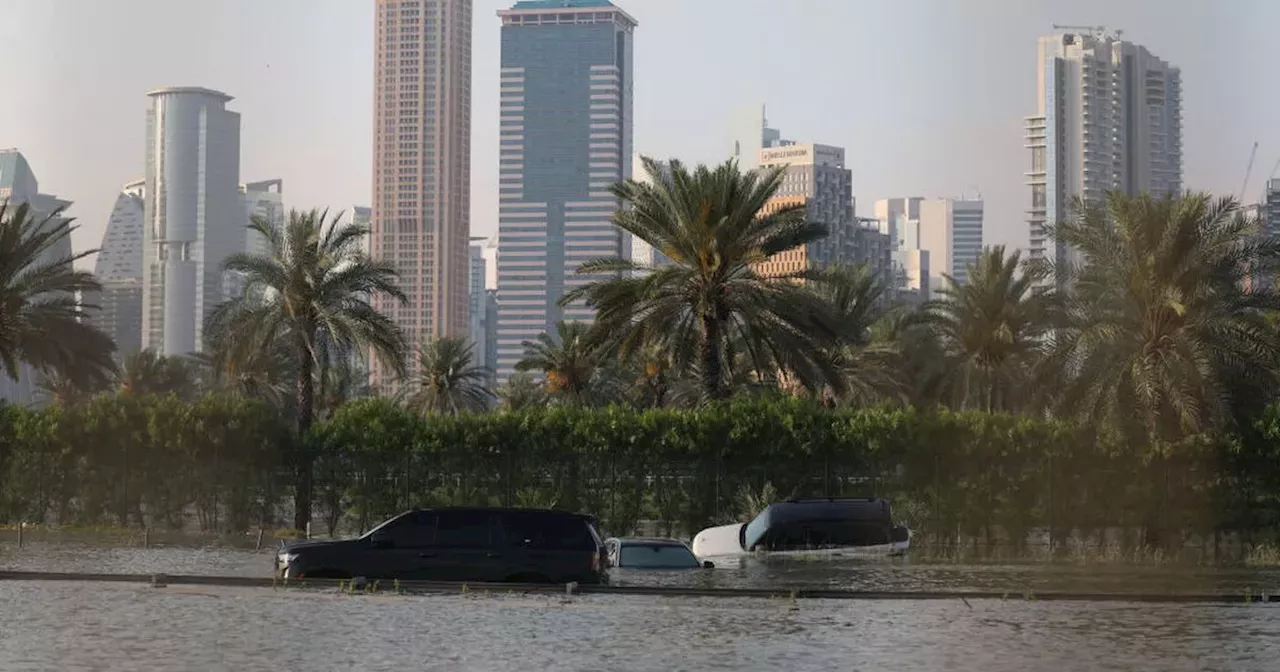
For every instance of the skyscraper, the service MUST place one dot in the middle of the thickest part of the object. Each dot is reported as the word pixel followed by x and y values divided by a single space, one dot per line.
pixel 478 324
pixel 421 220
pixel 641 251
pixel 1270 210
pixel 119 269
pixel 565 137
pixel 949 230
pixel 1109 118
pixel 815 176
pixel 266 200
pixel 749 133
pixel 18 186
pixel 193 216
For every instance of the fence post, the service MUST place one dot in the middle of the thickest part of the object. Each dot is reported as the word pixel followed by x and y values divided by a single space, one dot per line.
pixel 146 537
pixel 308 532
pixel 21 525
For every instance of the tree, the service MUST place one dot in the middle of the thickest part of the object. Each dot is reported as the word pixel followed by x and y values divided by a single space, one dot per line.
pixel 1167 334
pixel 855 302
pixel 448 381
pixel 716 226
pixel 42 323
pixel 147 372
pixel 65 391
pixel 994 330
pixel 310 290
pixel 569 361
pixel 521 392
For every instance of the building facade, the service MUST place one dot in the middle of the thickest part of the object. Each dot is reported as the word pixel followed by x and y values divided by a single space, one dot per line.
pixel 119 269
pixel 947 230
pixel 478 323
pixel 815 176
pixel 193 216
pixel 421 219
pixel 641 251
pixel 1109 117
pixel 265 200
pixel 18 186
pixel 1270 211
pixel 565 136
pixel 749 133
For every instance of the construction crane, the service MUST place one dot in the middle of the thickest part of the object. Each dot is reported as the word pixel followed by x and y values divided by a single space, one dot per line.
pixel 1253 154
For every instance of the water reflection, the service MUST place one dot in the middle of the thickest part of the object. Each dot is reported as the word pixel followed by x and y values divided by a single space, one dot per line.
pixel 69 626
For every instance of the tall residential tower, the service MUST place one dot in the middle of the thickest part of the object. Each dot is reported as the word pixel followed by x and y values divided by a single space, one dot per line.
pixel 1109 117
pixel 421 219
pixel 193 218
pixel 565 137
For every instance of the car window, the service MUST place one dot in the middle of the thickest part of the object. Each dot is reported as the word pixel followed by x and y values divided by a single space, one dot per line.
pixel 549 532
pixel 464 529
pixel 413 530
pixel 650 556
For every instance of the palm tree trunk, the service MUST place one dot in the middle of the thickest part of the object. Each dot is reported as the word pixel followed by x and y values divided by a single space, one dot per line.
pixel 712 359
pixel 306 409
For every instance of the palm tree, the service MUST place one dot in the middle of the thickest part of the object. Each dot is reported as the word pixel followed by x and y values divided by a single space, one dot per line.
pixel 146 372
pixel 66 391
pixel 994 330
pixel 42 324
pixel 569 361
pixel 310 289
pixel 716 226
pixel 448 381
pixel 1166 334
pixel 521 392
pixel 265 374
pixel 855 299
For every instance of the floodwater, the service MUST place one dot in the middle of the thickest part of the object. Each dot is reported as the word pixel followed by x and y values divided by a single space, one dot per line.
pixel 96 626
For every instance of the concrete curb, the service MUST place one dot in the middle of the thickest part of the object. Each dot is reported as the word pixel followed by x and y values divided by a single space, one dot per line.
pixel 446 587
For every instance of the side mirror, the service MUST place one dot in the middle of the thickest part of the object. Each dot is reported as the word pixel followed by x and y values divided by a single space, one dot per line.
pixel 707 564
pixel 380 539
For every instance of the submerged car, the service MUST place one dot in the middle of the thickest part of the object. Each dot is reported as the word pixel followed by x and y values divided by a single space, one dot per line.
pixel 853 526
pixel 652 554
pixel 459 544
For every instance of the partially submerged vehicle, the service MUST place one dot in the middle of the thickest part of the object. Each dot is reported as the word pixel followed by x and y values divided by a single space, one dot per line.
pixel 834 526
pixel 651 554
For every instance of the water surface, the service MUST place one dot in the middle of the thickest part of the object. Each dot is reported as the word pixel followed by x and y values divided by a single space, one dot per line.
pixel 74 626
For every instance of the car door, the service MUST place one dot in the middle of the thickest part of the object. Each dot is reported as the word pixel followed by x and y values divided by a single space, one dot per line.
pixel 401 549
pixel 468 547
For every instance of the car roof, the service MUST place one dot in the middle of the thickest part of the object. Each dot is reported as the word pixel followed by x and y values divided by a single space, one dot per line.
pixel 644 541
pixel 500 509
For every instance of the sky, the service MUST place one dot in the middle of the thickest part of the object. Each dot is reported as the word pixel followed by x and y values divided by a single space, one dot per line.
pixel 926 96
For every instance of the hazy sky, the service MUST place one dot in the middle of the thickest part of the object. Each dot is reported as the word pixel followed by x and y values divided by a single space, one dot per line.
pixel 927 97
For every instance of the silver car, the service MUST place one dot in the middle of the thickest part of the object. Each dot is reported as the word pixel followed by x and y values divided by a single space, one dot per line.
pixel 663 554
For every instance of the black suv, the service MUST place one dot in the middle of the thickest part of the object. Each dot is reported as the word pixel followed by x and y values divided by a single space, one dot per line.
pixel 459 544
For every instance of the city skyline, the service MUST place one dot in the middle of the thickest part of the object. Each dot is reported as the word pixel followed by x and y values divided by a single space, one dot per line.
pixel 308 122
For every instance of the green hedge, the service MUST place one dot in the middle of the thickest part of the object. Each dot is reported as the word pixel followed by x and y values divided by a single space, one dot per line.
pixel 950 474
pixel 136 461
pixel 133 461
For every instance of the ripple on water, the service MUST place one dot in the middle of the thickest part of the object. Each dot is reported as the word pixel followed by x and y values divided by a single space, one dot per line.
pixel 74 626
